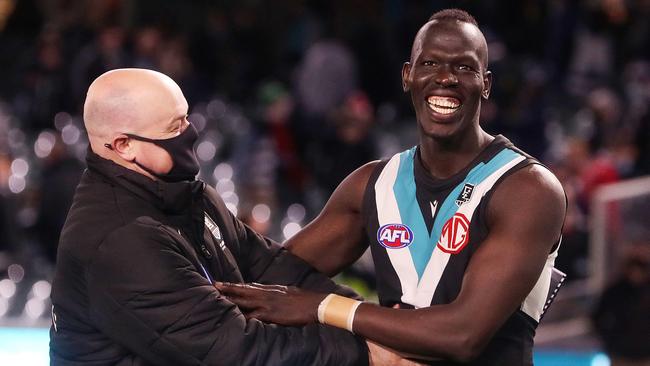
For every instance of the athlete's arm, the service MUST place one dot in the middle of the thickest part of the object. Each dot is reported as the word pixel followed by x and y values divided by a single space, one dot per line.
pixel 524 216
pixel 334 240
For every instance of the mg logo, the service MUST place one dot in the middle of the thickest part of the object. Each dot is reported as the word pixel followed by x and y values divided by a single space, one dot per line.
pixel 455 234
pixel 394 236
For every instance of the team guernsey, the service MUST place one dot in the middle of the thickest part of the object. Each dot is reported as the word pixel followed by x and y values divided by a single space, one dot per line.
pixel 423 232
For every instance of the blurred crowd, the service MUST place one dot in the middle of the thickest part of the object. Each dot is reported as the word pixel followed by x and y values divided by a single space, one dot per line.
pixel 291 96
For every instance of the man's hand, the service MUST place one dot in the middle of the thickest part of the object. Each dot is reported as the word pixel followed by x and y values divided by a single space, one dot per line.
pixel 274 303
pixel 380 356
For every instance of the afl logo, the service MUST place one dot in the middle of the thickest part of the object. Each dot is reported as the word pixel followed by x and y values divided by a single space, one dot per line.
pixel 394 236
pixel 455 234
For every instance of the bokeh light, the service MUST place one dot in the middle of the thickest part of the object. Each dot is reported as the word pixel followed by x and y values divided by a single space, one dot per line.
pixel 290 230
pixel 261 213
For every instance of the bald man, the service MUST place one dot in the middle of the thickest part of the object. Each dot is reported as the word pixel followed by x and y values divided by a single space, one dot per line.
pixel 144 241
pixel 463 228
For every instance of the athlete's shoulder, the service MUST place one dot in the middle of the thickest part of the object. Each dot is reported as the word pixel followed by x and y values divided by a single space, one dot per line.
pixel 353 188
pixel 360 177
pixel 350 192
pixel 535 177
pixel 532 175
pixel 533 189
pixel 375 168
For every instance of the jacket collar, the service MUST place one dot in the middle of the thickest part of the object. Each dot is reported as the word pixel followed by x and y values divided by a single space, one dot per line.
pixel 173 198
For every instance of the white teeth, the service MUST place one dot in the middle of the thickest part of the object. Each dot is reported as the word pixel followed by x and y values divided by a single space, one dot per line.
pixel 443 105
pixel 442 110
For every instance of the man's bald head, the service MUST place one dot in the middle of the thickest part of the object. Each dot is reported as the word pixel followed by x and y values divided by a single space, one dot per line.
pixel 135 101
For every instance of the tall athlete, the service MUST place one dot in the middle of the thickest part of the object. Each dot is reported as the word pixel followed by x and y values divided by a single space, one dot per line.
pixel 463 228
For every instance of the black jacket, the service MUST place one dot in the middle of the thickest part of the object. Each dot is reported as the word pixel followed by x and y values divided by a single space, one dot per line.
pixel 133 281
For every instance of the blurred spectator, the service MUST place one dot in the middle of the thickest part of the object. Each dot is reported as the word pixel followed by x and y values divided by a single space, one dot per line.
pixel 277 109
pixel 62 173
pixel 44 87
pixel 601 121
pixel 331 158
pixel 643 145
pixel 621 316
pixel 590 170
pixel 332 120
pixel 106 53
pixel 147 45
pixel 7 208
pixel 325 78
pixel 572 258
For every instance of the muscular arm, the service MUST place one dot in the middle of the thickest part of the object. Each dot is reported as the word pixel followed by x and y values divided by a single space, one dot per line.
pixel 525 217
pixel 338 230
pixel 262 260
pixel 265 261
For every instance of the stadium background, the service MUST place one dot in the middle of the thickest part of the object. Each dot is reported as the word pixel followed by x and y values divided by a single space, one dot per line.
pixel 290 96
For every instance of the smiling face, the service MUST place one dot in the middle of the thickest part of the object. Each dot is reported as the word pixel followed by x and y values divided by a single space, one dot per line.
pixel 447 77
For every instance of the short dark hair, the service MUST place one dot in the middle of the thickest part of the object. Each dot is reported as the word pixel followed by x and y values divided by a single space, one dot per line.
pixel 454 14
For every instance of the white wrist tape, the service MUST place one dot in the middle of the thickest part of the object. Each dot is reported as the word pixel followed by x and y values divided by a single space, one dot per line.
pixel 338 311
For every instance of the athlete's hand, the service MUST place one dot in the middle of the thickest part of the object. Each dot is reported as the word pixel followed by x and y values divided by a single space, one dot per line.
pixel 274 303
pixel 382 356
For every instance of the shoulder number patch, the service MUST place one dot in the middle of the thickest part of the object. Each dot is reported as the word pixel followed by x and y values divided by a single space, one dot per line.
pixel 394 236
pixel 455 234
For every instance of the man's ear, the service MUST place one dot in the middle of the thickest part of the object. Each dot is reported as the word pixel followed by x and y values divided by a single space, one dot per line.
pixel 406 78
pixel 487 84
pixel 123 146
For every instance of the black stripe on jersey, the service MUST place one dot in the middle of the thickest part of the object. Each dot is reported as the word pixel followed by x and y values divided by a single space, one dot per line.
pixel 389 289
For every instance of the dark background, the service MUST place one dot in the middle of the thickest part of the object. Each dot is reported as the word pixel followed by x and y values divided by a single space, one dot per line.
pixel 291 96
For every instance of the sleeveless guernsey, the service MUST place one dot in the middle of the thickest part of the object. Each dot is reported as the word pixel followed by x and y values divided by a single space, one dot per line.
pixel 423 231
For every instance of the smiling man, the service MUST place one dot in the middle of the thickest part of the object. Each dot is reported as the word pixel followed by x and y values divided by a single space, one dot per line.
pixel 464 227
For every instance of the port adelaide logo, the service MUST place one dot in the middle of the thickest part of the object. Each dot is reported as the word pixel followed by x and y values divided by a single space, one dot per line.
pixel 394 236
pixel 465 194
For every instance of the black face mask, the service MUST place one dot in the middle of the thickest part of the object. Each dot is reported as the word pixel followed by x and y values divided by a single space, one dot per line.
pixel 181 149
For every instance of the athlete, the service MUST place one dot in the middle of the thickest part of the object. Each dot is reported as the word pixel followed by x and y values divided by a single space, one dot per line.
pixel 464 228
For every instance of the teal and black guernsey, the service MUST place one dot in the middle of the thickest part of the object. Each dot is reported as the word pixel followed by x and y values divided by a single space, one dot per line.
pixel 423 232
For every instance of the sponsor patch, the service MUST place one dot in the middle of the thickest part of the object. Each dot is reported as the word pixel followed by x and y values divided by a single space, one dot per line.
pixel 455 234
pixel 394 236
pixel 465 194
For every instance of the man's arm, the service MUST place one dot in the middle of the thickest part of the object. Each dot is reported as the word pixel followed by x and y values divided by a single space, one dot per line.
pixel 146 295
pixel 334 240
pixel 267 262
pixel 525 217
